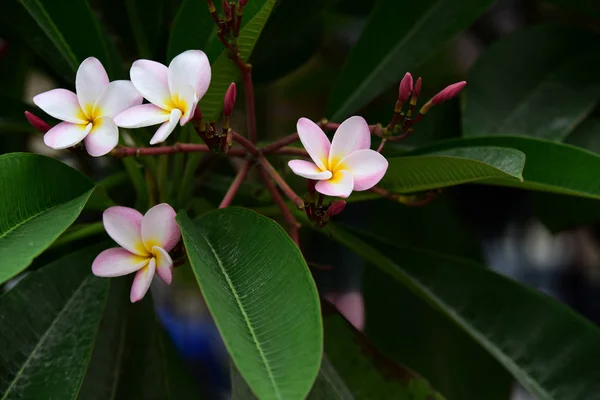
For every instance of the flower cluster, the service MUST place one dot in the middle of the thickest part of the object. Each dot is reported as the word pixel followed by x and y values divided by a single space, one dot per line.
pixel 99 107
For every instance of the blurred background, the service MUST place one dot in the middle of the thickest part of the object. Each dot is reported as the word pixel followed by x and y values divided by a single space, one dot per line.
pixel 546 241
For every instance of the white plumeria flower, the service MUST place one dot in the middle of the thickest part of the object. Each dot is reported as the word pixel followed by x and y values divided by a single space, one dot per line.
pixel 173 92
pixel 145 242
pixel 345 164
pixel 89 114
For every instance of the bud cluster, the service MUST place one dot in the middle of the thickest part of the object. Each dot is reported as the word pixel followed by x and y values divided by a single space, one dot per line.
pixel 316 211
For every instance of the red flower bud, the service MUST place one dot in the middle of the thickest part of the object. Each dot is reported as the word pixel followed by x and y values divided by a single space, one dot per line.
pixel 229 101
pixel 243 3
pixel 336 207
pixel 448 93
pixel 37 122
pixel 417 89
pixel 406 87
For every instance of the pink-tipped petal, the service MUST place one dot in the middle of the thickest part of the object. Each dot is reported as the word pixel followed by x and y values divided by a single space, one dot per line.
pixel 142 281
pixel 140 116
pixel 189 99
pixel 151 79
pixel 90 80
pixel 314 141
pixel 367 168
pixel 190 68
pixel 61 104
pixel 117 97
pixel 117 262
pixel 124 226
pixel 164 264
pixel 353 134
pixel 166 128
pixel 308 170
pixel 159 228
pixel 66 134
pixel 103 137
pixel 340 185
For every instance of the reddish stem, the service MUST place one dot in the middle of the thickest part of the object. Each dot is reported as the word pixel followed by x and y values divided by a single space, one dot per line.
pixel 291 151
pixel 271 148
pixel 246 71
pixel 245 143
pixel 176 148
pixel 235 185
pixel 285 188
pixel 287 214
pixel 381 145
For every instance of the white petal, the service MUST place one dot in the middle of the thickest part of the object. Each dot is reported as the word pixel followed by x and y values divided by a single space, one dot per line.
pixel 188 100
pixel 340 185
pixel 353 134
pixel 117 97
pixel 66 134
pixel 164 264
pixel 165 129
pixel 90 80
pixel 150 78
pixel 308 170
pixel 117 262
pixel 61 104
pixel 366 166
pixel 142 281
pixel 140 116
pixel 190 68
pixel 314 141
pixel 159 228
pixel 124 226
pixel 103 137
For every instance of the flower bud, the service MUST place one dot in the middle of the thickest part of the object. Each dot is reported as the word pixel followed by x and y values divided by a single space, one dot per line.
pixel 37 122
pixel 336 208
pixel 406 87
pixel 229 101
pixel 243 3
pixel 417 89
pixel 448 93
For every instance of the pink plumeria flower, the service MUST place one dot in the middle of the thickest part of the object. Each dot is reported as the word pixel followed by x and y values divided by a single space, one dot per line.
pixel 345 164
pixel 173 92
pixel 145 242
pixel 88 115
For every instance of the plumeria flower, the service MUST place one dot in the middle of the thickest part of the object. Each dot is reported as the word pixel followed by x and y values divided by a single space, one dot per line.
pixel 88 115
pixel 145 242
pixel 173 92
pixel 345 164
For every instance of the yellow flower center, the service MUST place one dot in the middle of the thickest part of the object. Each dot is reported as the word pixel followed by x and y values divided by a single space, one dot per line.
pixel 176 102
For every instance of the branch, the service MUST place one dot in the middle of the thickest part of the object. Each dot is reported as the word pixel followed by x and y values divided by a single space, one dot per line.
pixel 176 148
pixel 291 151
pixel 245 143
pixel 235 185
pixel 246 71
pixel 287 214
pixel 271 148
pixel 285 188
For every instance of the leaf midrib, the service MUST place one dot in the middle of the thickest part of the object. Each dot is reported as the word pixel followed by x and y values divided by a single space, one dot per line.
pixel 43 338
pixel 244 314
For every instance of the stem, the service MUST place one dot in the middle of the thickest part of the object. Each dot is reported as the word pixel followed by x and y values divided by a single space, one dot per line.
pixel 381 145
pixel 280 143
pixel 291 151
pixel 287 215
pixel 235 185
pixel 245 143
pixel 246 71
pixel 176 148
pixel 285 188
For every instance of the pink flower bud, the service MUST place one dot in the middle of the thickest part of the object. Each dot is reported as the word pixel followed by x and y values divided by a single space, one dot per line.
pixel 243 3
pixel 406 87
pixel 336 207
pixel 417 89
pixel 448 93
pixel 37 122
pixel 229 100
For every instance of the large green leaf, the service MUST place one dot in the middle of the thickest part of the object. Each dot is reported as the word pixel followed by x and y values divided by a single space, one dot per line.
pixel 453 167
pixel 40 198
pixel 225 71
pixel 551 167
pixel 398 37
pixel 530 334
pixel 262 297
pixel 71 32
pixel 133 358
pixel 49 323
pixel 540 81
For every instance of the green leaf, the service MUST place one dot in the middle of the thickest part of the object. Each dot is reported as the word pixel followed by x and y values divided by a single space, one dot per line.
pixel 49 325
pixel 192 28
pixel 476 299
pixel 133 358
pixel 225 71
pixel 41 197
pixel 551 167
pixel 367 372
pixel 67 30
pixel 398 37
pixel 262 296
pixel 540 81
pixel 453 167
